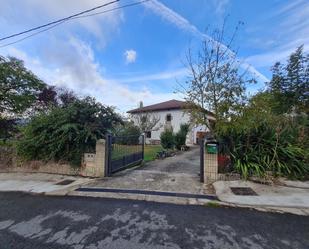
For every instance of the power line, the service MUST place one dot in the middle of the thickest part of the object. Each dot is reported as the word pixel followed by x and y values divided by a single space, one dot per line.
pixel 58 21
pixel 116 8
pixel 36 33
pixel 77 17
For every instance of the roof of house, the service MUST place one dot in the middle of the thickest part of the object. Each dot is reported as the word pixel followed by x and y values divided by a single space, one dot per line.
pixel 167 105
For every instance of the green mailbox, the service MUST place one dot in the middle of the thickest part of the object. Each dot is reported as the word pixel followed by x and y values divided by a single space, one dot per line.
pixel 211 148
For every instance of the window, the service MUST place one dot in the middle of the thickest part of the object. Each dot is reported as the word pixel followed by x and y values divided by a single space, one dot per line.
pixel 148 134
pixel 168 118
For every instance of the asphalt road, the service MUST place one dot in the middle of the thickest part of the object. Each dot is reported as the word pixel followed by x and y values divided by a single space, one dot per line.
pixel 75 222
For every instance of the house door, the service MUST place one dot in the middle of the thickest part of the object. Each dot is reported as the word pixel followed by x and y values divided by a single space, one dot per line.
pixel 199 136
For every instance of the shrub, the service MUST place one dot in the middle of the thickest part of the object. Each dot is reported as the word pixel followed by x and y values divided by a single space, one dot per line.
pixel 269 145
pixel 167 139
pixel 65 133
pixel 128 134
pixel 181 135
pixel 8 128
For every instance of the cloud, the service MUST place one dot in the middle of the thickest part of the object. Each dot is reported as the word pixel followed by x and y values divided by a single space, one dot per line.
pixel 155 76
pixel 172 17
pixel 37 12
pixel 74 66
pixel 180 22
pixel 289 6
pixel 268 59
pixel 220 6
pixel 61 58
pixel 291 31
pixel 130 56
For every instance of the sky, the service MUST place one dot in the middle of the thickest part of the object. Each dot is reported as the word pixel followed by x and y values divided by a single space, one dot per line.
pixel 138 53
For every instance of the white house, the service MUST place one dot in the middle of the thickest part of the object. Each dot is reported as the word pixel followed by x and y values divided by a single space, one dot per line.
pixel 171 114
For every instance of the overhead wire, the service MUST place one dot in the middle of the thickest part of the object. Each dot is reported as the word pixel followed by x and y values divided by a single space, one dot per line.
pixel 68 19
pixel 57 21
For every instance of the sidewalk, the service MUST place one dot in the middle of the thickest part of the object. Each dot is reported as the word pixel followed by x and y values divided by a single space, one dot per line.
pixel 49 184
pixel 150 185
pixel 277 197
pixel 166 188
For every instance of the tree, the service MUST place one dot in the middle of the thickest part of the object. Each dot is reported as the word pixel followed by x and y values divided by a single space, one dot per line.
pixel 128 133
pixel 215 81
pixel 19 87
pixel 47 99
pixel 65 132
pixel 167 139
pixel 260 141
pixel 147 122
pixel 7 128
pixel 290 84
pixel 181 136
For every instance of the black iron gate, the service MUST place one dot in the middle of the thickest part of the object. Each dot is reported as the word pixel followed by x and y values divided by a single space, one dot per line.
pixel 123 152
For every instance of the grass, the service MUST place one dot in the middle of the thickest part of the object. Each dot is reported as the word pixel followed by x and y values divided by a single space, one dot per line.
pixel 120 150
pixel 212 204
pixel 151 152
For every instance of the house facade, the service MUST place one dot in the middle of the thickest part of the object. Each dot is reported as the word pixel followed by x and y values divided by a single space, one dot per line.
pixel 170 115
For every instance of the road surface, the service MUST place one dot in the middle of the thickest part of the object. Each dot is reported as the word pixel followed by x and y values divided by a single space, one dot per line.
pixel 37 222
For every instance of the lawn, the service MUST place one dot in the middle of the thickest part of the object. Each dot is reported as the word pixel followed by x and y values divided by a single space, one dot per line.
pixel 151 152
pixel 121 150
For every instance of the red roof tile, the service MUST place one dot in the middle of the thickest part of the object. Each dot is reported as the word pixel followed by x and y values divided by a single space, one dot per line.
pixel 167 105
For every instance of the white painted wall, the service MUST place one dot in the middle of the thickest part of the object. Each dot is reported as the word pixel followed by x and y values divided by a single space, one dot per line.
pixel 178 117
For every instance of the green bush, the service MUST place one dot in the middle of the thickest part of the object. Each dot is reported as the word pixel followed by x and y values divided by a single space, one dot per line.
pixel 269 145
pixel 167 139
pixel 128 134
pixel 181 135
pixel 65 133
pixel 270 131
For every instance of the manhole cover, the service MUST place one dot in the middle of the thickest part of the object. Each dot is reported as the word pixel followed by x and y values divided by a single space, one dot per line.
pixel 65 182
pixel 243 191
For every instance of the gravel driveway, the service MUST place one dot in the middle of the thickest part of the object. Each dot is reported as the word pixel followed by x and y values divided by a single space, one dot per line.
pixel 185 162
pixel 174 174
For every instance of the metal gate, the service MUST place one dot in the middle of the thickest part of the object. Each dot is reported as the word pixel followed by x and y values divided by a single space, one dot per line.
pixel 123 152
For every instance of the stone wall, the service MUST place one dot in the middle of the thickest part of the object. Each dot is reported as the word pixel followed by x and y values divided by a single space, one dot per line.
pixel 41 167
pixel 93 165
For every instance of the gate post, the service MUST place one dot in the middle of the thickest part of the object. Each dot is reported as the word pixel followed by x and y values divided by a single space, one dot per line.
pixel 100 157
pixel 202 151
pixel 107 163
pixel 143 144
pixel 211 163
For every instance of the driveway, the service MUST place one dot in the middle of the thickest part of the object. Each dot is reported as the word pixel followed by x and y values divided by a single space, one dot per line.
pixel 173 174
pixel 35 222
pixel 186 162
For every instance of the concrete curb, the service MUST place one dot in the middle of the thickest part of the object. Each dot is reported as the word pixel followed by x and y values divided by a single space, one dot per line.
pixel 188 201
pixel 273 209
pixel 145 197
pixel 263 206
pixel 69 188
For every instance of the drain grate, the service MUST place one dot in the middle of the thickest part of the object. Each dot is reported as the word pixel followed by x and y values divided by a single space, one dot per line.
pixel 65 182
pixel 243 191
